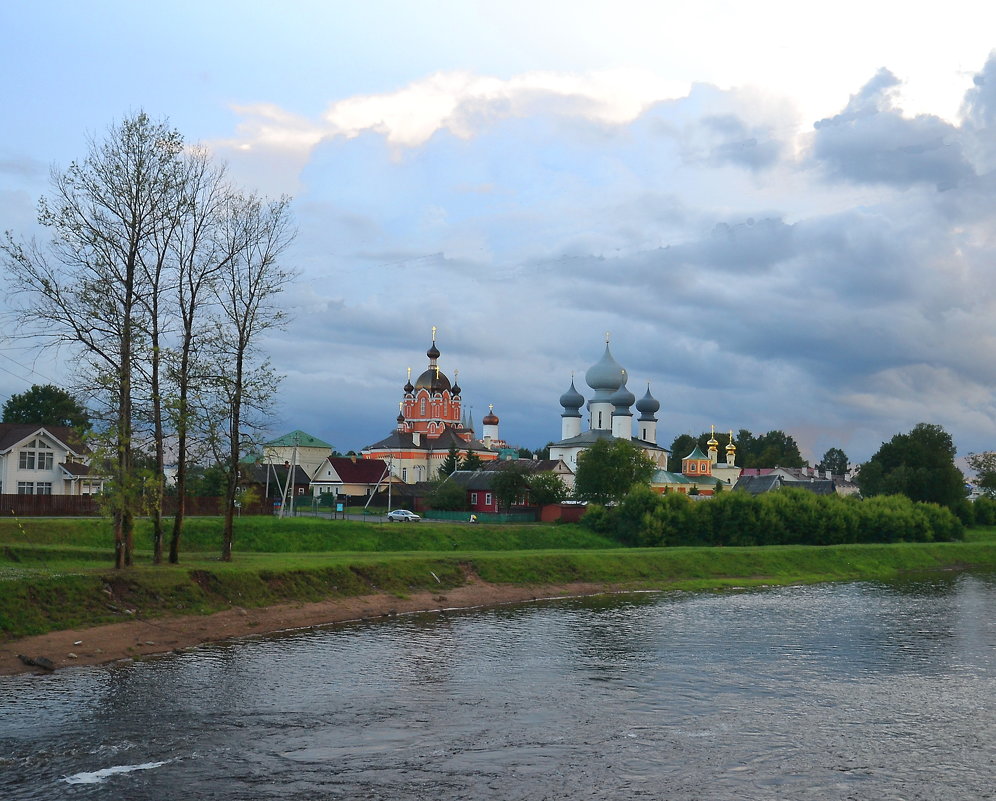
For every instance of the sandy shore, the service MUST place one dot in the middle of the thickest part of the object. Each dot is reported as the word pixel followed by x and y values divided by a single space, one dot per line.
pixel 136 638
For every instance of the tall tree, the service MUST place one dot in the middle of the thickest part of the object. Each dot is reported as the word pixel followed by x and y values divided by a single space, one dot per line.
pixel 608 470
pixel 451 463
pixel 471 461
pixel 106 214
pixel 257 232
pixel 46 405
pixel 509 484
pixel 546 488
pixel 834 461
pixel 919 464
pixel 984 465
pixel 200 251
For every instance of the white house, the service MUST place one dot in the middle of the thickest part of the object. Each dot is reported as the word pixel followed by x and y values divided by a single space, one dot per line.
pixel 45 460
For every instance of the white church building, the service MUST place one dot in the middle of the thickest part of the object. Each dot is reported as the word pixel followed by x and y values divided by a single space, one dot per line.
pixel 610 415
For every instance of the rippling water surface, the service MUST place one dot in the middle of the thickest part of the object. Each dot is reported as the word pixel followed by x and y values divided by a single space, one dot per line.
pixel 849 691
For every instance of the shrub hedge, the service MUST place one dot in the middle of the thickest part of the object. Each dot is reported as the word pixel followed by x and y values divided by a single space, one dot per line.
pixel 784 517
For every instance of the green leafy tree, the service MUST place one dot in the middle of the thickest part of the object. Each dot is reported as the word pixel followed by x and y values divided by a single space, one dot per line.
pixel 546 488
pixel 471 461
pixel 509 484
pixel 450 464
pixel 834 461
pixel 447 496
pixel 919 465
pixel 524 453
pixel 683 445
pixel 608 470
pixel 984 465
pixel 46 405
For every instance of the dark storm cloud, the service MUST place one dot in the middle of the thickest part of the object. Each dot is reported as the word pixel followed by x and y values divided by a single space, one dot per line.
pixel 870 141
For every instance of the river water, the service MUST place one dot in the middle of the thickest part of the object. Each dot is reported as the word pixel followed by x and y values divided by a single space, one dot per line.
pixel 835 691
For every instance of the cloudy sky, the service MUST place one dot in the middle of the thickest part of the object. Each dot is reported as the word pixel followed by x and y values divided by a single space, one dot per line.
pixel 784 215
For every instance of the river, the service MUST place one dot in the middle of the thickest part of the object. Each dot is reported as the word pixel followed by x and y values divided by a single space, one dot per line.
pixel 832 691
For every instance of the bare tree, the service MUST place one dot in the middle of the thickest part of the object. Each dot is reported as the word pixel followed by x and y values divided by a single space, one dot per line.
pixel 202 250
pixel 106 214
pixel 247 291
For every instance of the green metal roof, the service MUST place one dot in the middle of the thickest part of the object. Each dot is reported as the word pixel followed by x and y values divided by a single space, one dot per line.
pixel 696 454
pixel 667 477
pixel 300 438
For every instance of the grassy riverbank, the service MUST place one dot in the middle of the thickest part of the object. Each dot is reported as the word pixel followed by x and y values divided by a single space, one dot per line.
pixel 55 574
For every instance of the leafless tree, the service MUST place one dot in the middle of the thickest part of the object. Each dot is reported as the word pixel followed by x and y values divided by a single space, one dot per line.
pixel 105 214
pixel 247 293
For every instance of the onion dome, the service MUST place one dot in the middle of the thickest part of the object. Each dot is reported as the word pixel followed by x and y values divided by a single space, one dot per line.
pixel 409 389
pixel 648 406
pixel 730 447
pixel 490 419
pixel 433 380
pixel 455 389
pixel 572 401
pixel 605 376
pixel 622 399
pixel 433 351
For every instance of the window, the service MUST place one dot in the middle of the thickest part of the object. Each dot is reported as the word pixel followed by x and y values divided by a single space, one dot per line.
pixel 473 499
pixel 404 474
pixel 422 407
pixel 43 488
pixel 300 490
pixel 25 488
pixel 37 455
pixel 487 499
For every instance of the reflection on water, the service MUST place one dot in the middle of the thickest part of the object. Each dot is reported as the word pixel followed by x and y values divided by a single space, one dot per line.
pixel 824 692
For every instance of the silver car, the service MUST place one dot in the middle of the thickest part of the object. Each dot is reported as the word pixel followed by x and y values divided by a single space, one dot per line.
pixel 402 516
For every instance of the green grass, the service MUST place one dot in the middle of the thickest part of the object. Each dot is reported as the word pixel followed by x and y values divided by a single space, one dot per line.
pixel 56 574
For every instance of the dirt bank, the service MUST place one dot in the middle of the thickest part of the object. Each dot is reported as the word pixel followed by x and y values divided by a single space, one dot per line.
pixel 137 638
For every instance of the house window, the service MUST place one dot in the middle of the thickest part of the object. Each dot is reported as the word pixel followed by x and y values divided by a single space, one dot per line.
pixel 37 455
pixel 487 499
pixel 300 490
pixel 25 487
pixel 404 474
pixel 473 499
pixel 43 488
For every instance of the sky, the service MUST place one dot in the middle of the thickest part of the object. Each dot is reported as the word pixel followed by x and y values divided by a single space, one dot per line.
pixel 783 214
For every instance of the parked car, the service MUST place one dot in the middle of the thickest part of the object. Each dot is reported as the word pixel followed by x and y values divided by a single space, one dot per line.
pixel 402 516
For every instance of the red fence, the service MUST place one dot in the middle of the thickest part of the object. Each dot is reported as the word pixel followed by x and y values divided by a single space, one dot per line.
pixel 89 506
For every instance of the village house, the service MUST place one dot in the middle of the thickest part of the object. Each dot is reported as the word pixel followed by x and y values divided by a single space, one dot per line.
pixel 45 460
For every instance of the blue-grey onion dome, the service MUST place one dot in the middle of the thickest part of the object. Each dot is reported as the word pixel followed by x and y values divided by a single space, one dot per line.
pixel 648 404
pixel 433 351
pixel 432 380
pixel 622 399
pixel 572 399
pixel 606 374
pixel 455 390
pixel 409 389
pixel 401 417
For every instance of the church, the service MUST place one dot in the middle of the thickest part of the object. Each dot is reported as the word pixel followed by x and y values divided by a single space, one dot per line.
pixel 431 421
pixel 610 415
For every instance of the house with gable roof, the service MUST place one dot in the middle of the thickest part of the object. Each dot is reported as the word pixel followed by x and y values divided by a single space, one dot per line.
pixel 45 460
pixel 353 476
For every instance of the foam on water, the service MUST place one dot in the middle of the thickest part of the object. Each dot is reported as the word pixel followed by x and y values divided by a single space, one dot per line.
pixel 97 776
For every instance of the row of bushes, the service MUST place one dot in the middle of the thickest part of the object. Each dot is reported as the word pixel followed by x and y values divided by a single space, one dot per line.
pixel 785 517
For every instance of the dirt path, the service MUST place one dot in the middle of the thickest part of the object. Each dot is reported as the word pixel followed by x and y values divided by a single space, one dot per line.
pixel 137 638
